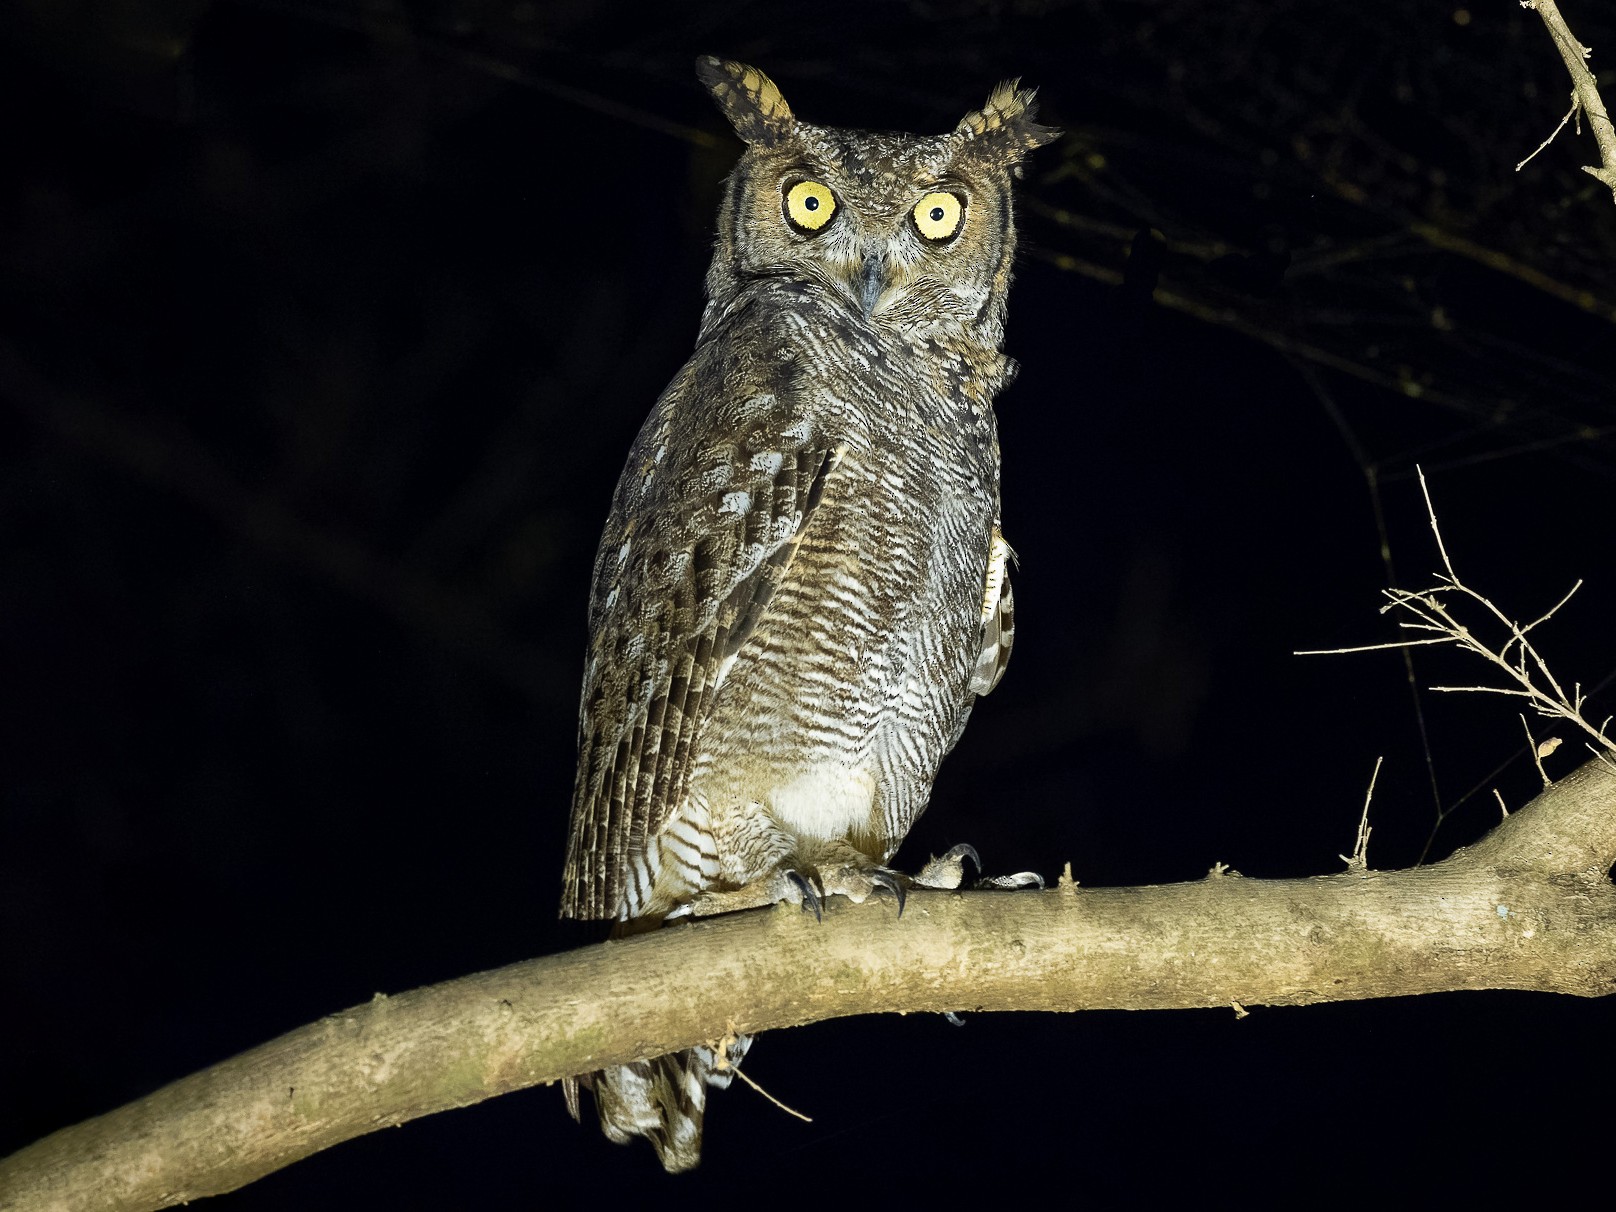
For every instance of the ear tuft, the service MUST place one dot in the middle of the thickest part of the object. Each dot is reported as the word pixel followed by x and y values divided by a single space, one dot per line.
pixel 750 100
pixel 1006 123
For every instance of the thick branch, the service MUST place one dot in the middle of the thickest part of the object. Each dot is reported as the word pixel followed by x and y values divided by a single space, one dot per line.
pixel 1528 907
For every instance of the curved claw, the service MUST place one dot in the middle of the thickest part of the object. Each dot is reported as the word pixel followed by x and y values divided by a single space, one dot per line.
pixel 947 871
pixel 966 851
pixel 882 878
pixel 810 898
pixel 954 1020
pixel 1021 879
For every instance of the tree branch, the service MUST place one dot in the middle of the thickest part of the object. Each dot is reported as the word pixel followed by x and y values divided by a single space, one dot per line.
pixel 1584 90
pixel 1530 906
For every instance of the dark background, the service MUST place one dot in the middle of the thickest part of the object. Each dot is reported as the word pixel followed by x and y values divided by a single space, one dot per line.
pixel 324 328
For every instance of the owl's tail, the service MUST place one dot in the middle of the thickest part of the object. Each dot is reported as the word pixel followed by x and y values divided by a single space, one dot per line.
pixel 662 1099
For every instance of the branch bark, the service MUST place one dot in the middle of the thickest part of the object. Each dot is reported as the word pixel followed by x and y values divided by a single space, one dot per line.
pixel 1530 906
pixel 1584 89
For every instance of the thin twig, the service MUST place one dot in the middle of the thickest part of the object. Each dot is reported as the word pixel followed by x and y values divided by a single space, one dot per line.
pixel 1446 639
pixel 1360 848
pixel 741 1073
pixel 1436 531
pixel 1537 750
pixel 1575 106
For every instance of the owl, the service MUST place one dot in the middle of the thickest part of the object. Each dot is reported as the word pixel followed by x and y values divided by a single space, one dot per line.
pixel 802 584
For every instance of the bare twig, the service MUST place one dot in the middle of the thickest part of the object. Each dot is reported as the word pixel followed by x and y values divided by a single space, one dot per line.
pixel 789 1110
pixel 1575 106
pixel 1529 674
pixel 1584 90
pixel 1539 752
pixel 1360 848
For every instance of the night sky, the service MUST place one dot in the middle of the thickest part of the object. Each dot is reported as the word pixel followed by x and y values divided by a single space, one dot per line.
pixel 324 330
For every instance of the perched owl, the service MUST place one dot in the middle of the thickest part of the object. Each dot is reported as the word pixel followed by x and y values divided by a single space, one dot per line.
pixel 802 586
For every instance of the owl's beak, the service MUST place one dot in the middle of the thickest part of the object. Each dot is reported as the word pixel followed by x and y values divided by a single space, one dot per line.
pixel 872 281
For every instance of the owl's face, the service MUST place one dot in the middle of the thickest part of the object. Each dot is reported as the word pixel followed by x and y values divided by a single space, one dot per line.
pixel 903 231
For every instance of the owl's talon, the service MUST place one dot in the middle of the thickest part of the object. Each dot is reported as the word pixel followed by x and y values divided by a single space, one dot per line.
pixel 965 851
pixel 810 898
pixel 1021 879
pixel 947 871
pixel 882 878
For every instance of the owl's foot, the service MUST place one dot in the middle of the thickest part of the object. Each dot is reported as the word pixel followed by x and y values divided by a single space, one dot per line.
pixel 846 873
pixel 947 872
pixel 1021 879
pixel 859 881
pixel 805 889
pixel 784 885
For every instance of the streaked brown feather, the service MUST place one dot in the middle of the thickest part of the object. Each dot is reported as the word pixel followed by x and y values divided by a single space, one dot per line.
pixel 685 573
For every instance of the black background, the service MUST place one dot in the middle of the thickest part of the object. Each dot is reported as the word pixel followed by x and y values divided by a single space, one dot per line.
pixel 324 329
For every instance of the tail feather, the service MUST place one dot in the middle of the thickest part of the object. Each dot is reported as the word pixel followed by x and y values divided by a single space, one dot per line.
pixel 663 1099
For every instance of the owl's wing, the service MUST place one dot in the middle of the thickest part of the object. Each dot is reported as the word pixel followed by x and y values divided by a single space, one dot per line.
pixel 707 517
pixel 998 618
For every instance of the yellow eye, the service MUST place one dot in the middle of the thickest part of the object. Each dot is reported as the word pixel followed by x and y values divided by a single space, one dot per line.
pixel 939 215
pixel 809 206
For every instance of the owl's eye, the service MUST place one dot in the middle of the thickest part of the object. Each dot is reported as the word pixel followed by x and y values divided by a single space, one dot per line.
pixel 939 216
pixel 809 205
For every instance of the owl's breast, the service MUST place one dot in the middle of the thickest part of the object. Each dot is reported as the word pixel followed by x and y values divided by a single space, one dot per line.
pixel 843 703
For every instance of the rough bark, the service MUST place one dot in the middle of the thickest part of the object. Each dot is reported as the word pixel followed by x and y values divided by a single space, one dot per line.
pixel 1531 906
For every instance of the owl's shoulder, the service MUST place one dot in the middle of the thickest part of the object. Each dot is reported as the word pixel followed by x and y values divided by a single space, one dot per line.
pixel 733 431
pixel 743 391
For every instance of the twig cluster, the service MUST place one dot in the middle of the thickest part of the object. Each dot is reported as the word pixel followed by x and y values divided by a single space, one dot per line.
pixel 1527 673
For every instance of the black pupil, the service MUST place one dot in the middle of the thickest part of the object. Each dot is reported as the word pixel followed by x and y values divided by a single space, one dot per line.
pixel 937 214
pixel 810 203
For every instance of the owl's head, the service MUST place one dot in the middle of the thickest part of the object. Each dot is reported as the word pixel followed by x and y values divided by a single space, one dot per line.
pixel 907 231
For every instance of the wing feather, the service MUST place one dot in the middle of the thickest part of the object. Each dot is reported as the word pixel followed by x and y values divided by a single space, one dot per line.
pixel 998 618
pixel 706 519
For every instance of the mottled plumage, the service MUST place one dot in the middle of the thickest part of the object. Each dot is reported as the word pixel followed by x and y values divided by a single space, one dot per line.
pixel 802 586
